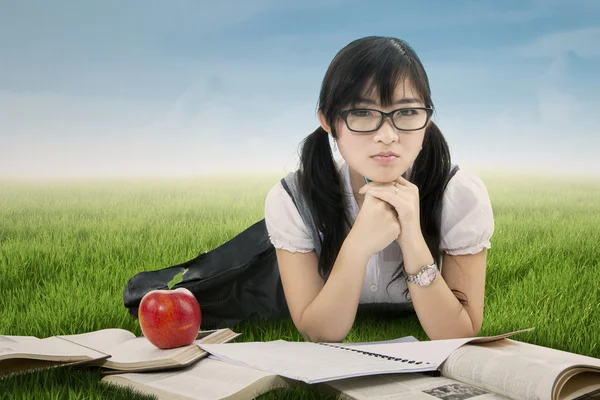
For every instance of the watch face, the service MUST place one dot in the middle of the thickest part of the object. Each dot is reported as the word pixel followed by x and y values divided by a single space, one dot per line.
pixel 428 275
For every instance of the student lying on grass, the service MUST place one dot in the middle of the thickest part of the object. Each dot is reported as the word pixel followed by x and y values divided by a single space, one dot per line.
pixel 392 231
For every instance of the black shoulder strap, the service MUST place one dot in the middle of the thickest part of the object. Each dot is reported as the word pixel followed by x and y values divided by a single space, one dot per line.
pixel 453 171
pixel 287 189
pixel 291 186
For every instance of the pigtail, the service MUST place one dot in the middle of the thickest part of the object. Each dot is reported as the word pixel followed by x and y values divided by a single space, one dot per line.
pixel 321 186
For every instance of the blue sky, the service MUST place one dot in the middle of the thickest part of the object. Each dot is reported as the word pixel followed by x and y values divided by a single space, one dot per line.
pixel 181 88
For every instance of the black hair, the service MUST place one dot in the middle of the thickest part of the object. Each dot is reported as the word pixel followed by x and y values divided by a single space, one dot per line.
pixel 366 64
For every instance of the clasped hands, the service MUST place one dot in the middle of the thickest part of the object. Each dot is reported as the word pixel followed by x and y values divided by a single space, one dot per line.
pixel 403 195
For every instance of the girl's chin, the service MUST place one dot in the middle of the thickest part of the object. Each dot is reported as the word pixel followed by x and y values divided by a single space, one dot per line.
pixel 384 177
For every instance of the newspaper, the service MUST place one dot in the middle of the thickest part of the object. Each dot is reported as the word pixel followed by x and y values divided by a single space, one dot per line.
pixel 407 386
pixel 517 370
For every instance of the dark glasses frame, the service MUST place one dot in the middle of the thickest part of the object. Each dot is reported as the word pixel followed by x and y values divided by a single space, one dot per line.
pixel 384 115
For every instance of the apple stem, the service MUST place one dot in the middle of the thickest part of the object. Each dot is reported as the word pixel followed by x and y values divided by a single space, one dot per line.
pixel 176 279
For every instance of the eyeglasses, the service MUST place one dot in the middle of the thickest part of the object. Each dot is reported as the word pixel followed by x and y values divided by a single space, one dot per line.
pixel 404 119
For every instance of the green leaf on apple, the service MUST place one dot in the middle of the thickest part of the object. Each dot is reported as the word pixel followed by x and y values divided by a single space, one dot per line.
pixel 176 279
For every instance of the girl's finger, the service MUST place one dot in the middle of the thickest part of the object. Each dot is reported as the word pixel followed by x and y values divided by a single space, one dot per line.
pixel 389 197
pixel 371 185
pixel 402 181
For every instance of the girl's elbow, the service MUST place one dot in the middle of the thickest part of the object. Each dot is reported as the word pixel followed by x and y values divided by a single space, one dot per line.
pixel 323 337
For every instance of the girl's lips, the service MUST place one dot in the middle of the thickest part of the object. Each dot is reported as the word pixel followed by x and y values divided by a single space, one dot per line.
pixel 385 159
pixel 385 153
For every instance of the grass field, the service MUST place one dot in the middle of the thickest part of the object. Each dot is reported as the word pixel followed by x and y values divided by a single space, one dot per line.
pixel 68 248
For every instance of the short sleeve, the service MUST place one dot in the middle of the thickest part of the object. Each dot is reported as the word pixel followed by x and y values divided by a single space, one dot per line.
pixel 467 222
pixel 284 224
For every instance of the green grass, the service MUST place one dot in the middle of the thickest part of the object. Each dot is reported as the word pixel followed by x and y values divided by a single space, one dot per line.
pixel 68 248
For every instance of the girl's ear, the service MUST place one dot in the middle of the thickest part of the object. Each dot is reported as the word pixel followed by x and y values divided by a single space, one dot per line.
pixel 323 122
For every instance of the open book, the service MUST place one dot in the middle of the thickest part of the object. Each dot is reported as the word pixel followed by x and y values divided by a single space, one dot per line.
pixel 494 370
pixel 488 370
pixel 208 379
pixel 111 349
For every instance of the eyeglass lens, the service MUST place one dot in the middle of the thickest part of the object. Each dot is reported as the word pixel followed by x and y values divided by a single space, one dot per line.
pixel 369 120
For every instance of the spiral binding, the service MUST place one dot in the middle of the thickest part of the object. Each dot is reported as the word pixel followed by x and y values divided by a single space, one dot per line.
pixel 404 360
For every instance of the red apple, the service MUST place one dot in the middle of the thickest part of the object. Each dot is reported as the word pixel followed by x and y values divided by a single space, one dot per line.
pixel 170 318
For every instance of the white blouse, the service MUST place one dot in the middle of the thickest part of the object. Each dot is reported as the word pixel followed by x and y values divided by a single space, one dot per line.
pixel 467 225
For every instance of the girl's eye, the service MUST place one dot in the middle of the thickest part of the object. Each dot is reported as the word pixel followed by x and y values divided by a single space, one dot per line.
pixel 361 113
pixel 407 112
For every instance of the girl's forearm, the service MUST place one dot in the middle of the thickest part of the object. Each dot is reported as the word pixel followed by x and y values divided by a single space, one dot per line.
pixel 330 316
pixel 440 313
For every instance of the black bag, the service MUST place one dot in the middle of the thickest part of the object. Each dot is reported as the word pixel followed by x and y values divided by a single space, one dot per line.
pixel 237 281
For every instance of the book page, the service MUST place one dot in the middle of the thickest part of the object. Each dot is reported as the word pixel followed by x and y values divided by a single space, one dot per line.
pixel 130 352
pixel 139 354
pixel 52 348
pixel 409 387
pixel 306 361
pixel 546 353
pixel 140 350
pixel 514 369
pixel 208 379
pixel 223 335
pixel 103 340
pixel 15 339
pixel 583 385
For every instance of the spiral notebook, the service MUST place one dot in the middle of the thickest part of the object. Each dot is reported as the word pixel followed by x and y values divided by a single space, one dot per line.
pixel 321 362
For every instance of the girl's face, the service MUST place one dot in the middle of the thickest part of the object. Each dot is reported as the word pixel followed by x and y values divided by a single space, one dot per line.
pixel 358 149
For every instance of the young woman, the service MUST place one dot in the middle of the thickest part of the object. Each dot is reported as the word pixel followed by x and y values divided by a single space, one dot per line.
pixel 388 221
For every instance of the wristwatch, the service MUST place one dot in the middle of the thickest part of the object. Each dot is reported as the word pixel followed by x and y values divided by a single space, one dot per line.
pixel 425 276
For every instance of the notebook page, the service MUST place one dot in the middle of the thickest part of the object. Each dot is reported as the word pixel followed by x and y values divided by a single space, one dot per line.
pixel 433 351
pixel 208 379
pixel 405 339
pixel 306 361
